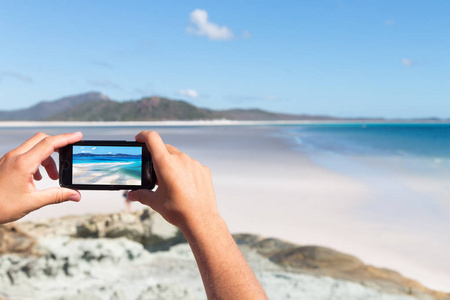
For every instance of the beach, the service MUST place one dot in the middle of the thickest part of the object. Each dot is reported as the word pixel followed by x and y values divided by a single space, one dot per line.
pixel 102 174
pixel 388 212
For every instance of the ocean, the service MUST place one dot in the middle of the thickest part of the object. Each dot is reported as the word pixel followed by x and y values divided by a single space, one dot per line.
pixel 93 169
pixel 105 159
pixel 425 141
pixel 414 140
pixel 374 152
pixel 404 165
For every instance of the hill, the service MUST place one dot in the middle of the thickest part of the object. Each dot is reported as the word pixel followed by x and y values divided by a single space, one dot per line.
pixel 46 109
pixel 95 106
pixel 258 114
pixel 146 109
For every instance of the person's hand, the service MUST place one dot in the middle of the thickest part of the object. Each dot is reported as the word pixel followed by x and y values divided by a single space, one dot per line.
pixel 18 194
pixel 185 197
pixel 185 192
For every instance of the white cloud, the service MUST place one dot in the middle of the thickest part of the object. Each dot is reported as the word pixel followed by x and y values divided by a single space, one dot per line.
pixel 145 90
pixel 21 77
pixel 200 25
pixel 188 93
pixel 271 98
pixel 102 64
pixel 250 98
pixel 390 22
pixel 407 62
pixel 104 83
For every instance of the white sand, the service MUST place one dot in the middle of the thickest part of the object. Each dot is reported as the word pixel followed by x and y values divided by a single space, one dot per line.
pixel 83 174
pixel 263 187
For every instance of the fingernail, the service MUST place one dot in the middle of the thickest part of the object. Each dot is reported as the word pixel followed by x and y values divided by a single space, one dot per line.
pixel 130 196
pixel 75 197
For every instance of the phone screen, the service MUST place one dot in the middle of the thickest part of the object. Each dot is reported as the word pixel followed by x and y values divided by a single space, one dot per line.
pixel 107 165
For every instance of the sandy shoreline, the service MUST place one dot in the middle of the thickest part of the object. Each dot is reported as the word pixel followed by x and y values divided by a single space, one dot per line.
pixel 264 187
pixel 223 122
pixel 31 124
pixel 101 174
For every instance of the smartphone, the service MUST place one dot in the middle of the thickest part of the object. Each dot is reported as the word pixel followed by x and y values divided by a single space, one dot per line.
pixel 106 165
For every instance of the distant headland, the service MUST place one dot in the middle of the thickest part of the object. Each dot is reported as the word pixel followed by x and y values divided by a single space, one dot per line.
pixel 97 107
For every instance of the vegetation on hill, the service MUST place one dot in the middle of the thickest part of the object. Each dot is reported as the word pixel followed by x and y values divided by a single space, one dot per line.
pixel 146 109
pixel 161 109
pixel 46 109
pixel 98 107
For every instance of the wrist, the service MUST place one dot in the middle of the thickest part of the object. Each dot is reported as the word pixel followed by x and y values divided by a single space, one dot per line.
pixel 205 225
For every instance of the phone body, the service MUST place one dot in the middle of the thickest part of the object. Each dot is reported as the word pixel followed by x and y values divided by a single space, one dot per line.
pixel 106 165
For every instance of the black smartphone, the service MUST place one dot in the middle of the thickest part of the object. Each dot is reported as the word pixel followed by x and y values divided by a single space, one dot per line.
pixel 106 165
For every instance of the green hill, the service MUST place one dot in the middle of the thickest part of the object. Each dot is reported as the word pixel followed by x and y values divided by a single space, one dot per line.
pixel 95 106
pixel 146 109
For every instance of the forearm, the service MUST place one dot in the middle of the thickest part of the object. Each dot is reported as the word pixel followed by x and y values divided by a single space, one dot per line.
pixel 224 270
pixel 185 197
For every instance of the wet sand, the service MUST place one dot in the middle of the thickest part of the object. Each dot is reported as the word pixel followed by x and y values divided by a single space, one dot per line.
pixel 102 174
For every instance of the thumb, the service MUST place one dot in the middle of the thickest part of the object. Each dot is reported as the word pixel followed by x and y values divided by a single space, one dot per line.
pixel 146 197
pixel 54 196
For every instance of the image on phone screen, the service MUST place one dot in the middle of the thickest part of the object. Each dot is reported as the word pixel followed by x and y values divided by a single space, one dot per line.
pixel 107 165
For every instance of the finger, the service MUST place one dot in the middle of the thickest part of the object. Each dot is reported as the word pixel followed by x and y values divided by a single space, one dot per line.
pixel 30 143
pixel 50 166
pixel 53 196
pixel 154 144
pixel 171 149
pixel 146 197
pixel 37 176
pixel 43 149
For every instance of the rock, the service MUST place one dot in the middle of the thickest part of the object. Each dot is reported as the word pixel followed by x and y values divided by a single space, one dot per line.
pixel 79 296
pixel 316 258
pixel 123 256
pixel 322 261
pixel 270 246
pixel 164 291
pixel 146 227
pixel 15 240
pixel 246 239
pixel 328 262
pixel 65 226
pixel 87 229
pixel 118 295
pixel 115 225
pixel 158 233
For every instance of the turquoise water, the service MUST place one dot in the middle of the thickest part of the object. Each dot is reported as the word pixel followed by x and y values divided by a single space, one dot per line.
pixel 406 167
pixel 420 148
pixel 105 159
pixel 421 140
pixel 418 140
pixel 133 166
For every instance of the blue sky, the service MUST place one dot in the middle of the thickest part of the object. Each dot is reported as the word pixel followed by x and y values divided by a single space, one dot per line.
pixel 342 58
pixel 107 150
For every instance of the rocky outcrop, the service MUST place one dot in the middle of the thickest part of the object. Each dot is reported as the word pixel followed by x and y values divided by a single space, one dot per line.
pixel 162 291
pixel 13 240
pixel 322 261
pixel 145 227
pixel 139 256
